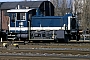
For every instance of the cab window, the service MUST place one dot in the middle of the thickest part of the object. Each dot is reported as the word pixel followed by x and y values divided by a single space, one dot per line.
pixel 20 16
pixel 13 17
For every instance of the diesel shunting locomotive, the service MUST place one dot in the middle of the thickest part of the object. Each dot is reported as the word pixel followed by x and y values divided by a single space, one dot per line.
pixel 41 24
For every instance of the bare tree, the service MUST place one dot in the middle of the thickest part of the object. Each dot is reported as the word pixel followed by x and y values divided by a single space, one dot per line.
pixel 63 8
pixel 55 3
pixel 60 7
pixel 78 9
pixel 86 15
pixel 82 7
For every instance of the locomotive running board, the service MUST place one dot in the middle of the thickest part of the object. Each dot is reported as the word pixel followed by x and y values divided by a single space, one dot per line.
pixel 41 39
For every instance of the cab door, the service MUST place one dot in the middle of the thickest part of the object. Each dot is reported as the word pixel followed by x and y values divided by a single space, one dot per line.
pixel 12 23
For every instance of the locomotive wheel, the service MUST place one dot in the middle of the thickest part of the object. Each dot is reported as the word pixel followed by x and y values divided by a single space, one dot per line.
pixel 56 40
pixel 78 37
pixel 66 39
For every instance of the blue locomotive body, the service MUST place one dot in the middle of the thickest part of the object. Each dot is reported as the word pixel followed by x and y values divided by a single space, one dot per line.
pixel 31 24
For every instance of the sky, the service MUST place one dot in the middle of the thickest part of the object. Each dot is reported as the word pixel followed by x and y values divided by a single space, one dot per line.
pixel 15 0
pixel 11 0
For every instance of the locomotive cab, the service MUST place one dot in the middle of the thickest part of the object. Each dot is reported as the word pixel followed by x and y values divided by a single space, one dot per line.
pixel 19 21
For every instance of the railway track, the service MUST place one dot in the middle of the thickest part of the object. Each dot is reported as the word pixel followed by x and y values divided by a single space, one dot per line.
pixel 50 46
pixel 51 50
pixel 45 55
pixel 73 49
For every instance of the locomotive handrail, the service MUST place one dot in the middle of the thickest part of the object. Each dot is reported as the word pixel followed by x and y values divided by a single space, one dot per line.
pixel 85 35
